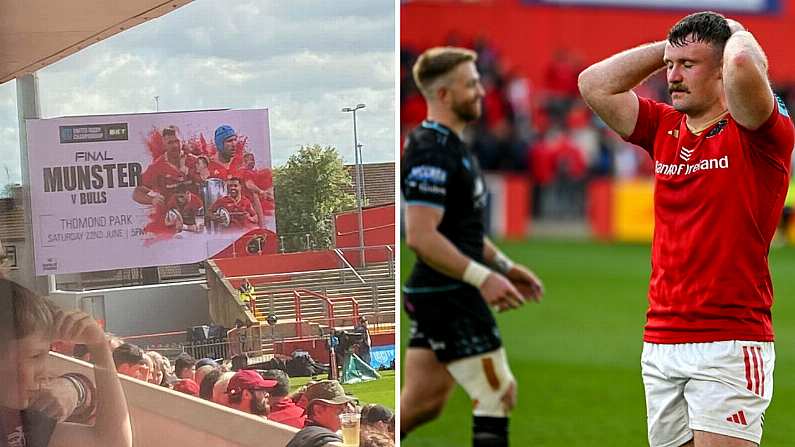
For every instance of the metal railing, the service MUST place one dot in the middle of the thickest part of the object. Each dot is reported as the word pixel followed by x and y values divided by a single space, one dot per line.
pixel 348 264
pixel 330 302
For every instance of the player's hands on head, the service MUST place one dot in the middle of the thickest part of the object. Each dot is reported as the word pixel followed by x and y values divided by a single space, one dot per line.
pixel 735 26
pixel 77 327
pixel 500 294
pixel 526 282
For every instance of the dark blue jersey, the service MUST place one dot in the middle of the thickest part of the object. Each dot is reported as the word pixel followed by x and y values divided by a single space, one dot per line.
pixel 437 170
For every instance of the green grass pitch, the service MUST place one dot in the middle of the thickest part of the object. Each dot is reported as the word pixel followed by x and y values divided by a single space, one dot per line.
pixel 576 355
pixel 380 391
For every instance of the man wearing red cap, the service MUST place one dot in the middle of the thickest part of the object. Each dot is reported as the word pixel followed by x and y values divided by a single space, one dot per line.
pixel 246 391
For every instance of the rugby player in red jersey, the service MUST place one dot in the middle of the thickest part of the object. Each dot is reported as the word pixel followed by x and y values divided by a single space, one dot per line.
pixel 161 178
pixel 258 188
pixel 183 207
pixel 229 153
pixel 722 155
pixel 241 212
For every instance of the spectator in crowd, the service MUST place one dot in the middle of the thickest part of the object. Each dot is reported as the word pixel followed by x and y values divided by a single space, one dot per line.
pixel 208 383
pixel 168 373
pixel 283 409
pixel 326 401
pixel 247 392
pixel 159 371
pixel 202 371
pixel 299 395
pixel 205 362
pixel 28 324
pixel 150 367
pixel 113 340
pixel 375 439
pixel 187 386
pixel 376 417
pixel 185 366
pixel 131 361
pixel 219 389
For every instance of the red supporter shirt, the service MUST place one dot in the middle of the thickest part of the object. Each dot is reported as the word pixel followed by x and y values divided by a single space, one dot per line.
pixel 718 197
pixel 241 206
pixel 288 413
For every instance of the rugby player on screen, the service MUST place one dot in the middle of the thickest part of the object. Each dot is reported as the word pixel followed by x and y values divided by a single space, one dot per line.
pixel 450 293
pixel 166 173
pixel 722 161
pixel 234 210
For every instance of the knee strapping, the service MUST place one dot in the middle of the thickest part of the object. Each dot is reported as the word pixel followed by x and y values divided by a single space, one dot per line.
pixel 488 381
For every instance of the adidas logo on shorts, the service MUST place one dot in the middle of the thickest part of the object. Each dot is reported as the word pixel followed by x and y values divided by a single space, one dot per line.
pixel 738 418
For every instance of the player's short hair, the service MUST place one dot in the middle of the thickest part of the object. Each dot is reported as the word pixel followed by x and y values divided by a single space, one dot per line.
pixel 707 27
pixel 170 131
pixel 23 313
pixel 204 159
pixel 437 62
pixel 234 179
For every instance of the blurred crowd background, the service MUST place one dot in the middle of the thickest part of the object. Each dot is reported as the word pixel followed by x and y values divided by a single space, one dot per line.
pixel 534 122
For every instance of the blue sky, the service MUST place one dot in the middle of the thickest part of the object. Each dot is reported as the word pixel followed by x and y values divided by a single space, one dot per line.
pixel 304 60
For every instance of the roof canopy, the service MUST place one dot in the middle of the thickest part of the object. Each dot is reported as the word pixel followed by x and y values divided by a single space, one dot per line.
pixel 36 33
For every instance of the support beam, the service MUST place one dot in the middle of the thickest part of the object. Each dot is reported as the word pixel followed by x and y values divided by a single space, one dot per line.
pixel 28 107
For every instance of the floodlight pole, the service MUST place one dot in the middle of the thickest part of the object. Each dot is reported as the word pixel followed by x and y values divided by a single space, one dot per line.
pixel 359 177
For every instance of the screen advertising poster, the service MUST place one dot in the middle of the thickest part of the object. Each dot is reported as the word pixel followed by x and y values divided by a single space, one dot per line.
pixel 121 191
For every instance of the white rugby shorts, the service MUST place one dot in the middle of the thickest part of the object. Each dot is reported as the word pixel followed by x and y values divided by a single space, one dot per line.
pixel 719 387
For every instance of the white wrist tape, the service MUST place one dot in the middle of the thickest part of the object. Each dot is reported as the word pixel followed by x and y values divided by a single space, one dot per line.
pixel 502 262
pixel 476 274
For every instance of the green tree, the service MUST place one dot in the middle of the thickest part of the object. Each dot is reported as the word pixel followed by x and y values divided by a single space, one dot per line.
pixel 7 191
pixel 310 188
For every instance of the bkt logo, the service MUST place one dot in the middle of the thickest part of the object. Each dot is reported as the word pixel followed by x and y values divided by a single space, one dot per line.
pixel 685 153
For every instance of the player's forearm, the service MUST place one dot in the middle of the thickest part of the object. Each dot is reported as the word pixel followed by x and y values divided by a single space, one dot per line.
pixel 489 250
pixel 742 48
pixel 112 427
pixel 623 71
pixel 438 252
pixel 496 258
pixel 141 195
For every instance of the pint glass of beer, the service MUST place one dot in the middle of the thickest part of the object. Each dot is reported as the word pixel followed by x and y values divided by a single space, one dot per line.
pixel 350 429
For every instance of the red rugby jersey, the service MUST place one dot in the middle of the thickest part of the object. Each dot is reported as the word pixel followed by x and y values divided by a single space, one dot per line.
pixel 240 206
pixel 718 197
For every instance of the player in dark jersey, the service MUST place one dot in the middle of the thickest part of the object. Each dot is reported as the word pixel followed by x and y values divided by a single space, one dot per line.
pixel 722 155
pixel 454 337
